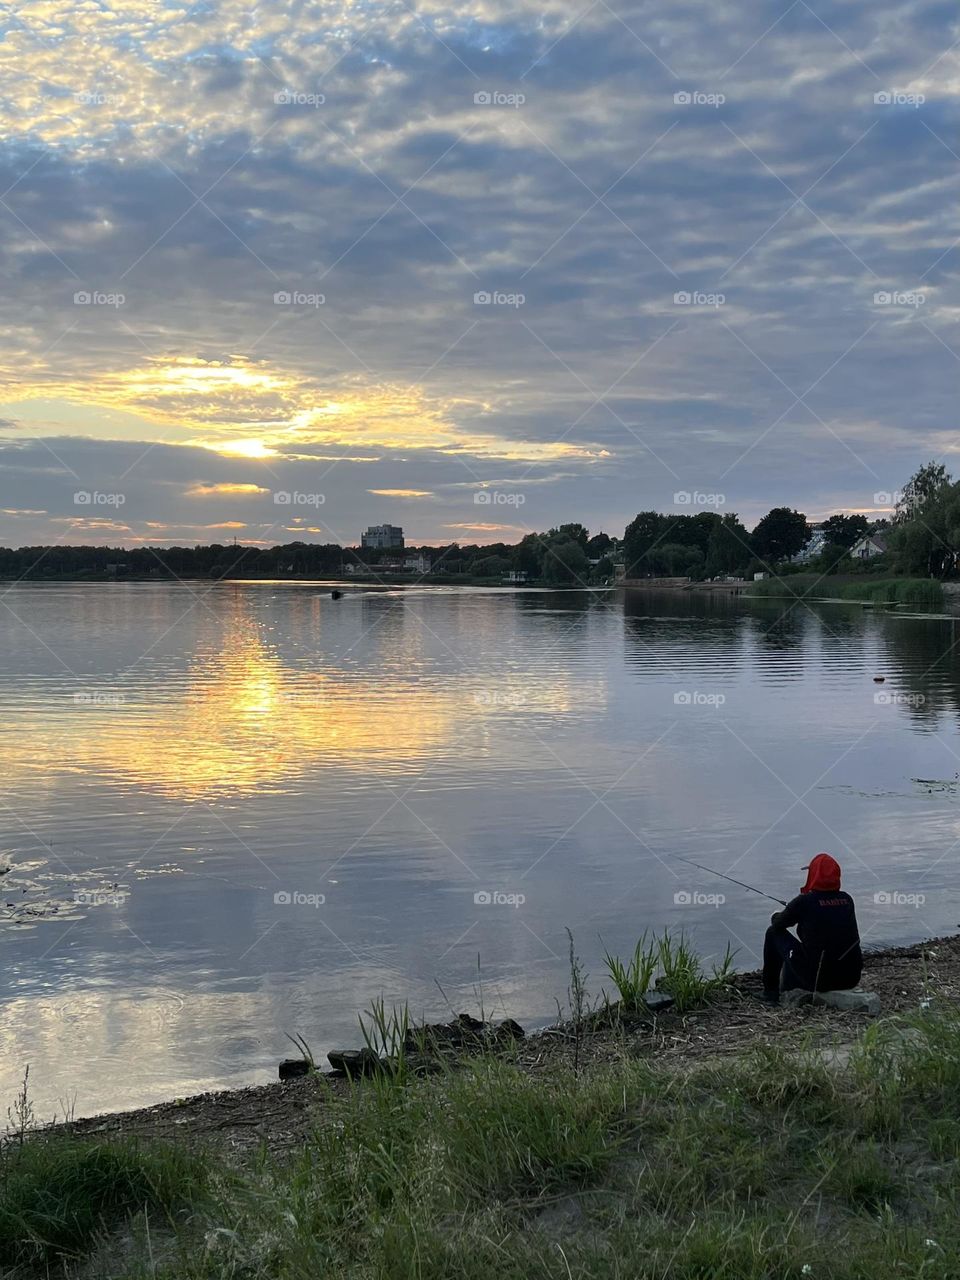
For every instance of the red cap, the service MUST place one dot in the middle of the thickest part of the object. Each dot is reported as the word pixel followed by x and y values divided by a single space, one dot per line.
pixel 822 873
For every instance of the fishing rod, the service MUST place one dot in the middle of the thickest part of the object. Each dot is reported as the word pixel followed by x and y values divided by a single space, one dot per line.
pixel 741 883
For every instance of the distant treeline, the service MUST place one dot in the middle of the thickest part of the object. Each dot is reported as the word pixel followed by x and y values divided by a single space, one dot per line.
pixel 710 545
pixel 922 539
pixel 567 554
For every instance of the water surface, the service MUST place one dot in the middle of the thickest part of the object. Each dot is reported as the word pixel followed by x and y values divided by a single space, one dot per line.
pixel 458 774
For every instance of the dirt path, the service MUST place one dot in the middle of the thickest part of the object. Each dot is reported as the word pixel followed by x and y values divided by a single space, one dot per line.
pixel 282 1115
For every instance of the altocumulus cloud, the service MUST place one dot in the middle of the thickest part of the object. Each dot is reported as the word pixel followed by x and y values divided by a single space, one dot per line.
pixel 386 254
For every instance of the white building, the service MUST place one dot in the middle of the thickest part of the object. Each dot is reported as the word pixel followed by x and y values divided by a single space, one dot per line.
pixel 383 536
pixel 870 545
pixel 818 540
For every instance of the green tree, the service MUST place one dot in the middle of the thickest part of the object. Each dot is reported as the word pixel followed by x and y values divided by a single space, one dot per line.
pixel 640 536
pixel 728 548
pixel 565 561
pixel 844 531
pixel 571 533
pixel 926 484
pixel 780 534
pixel 599 545
pixel 929 542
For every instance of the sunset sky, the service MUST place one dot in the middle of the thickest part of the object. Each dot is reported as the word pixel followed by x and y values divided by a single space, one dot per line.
pixel 242 248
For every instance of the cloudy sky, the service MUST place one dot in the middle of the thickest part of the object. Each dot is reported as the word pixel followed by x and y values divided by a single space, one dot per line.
pixel 392 258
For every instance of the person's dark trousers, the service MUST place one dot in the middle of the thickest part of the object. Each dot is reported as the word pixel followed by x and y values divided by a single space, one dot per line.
pixel 782 953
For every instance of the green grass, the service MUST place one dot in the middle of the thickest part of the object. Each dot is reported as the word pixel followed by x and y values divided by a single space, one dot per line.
pixel 678 970
pixel 925 593
pixel 57 1196
pixel 633 977
pixel 769 1166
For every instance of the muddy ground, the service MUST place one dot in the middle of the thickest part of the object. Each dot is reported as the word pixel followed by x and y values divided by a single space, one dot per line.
pixel 282 1115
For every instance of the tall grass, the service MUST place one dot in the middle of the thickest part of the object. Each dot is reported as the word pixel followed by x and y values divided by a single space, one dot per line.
pixel 770 1165
pixel 57 1196
pixel 780 1163
pixel 683 974
pixel 923 593
pixel 674 965
pixel 633 977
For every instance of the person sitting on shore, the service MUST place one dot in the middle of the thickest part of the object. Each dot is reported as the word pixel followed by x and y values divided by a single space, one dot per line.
pixel 825 956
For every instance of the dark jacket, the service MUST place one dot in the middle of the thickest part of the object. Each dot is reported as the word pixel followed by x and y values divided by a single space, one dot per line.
pixel 826 924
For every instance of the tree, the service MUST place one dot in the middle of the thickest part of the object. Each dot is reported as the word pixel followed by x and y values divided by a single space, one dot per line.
pixel 780 534
pixel 641 534
pixel 490 566
pixel 675 560
pixel 925 484
pixel 728 549
pixel 929 541
pixel 844 531
pixel 571 533
pixel 599 545
pixel 565 561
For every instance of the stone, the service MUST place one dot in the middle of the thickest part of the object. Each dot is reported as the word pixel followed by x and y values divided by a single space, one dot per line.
pixel 846 1001
pixel 469 1025
pixel 658 1001
pixel 509 1030
pixel 291 1068
pixel 355 1062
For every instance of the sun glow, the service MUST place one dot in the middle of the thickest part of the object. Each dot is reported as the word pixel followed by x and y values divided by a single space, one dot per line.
pixel 245 449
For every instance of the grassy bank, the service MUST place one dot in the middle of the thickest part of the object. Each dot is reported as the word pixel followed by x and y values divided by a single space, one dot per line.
pixel 772 1164
pixel 924 593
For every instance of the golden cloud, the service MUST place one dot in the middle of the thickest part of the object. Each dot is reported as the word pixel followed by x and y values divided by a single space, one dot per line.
pixel 489 528
pixel 402 493
pixel 225 490
pixel 242 408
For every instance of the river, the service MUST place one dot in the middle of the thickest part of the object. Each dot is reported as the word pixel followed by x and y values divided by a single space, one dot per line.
pixel 234 811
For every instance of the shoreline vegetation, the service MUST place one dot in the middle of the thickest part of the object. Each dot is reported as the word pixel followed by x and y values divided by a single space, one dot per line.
pixel 713 1139
pixel 922 592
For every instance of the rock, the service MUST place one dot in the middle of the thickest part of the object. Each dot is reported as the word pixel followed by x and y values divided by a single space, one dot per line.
pixel 420 1066
pixel 658 1001
pixel 290 1068
pixel 846 1001
pixel 509 1030
pixel 355 1062
pixel 469 1025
